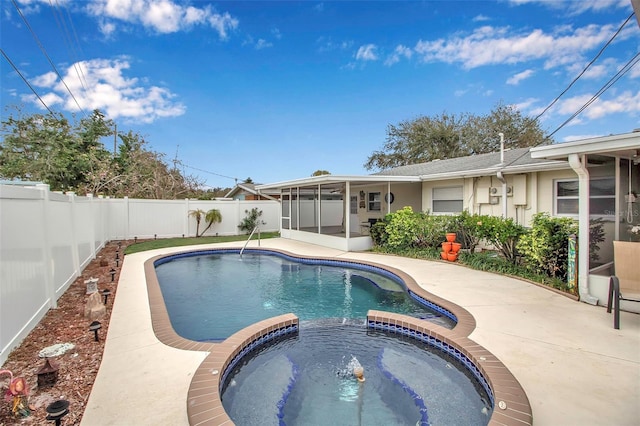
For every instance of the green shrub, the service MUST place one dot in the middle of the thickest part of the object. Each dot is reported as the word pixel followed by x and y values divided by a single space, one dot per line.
pixel 378 231
pixel 501 233
pixel 251 220
pixel 545 246
pixel 402 228
pixel 466 226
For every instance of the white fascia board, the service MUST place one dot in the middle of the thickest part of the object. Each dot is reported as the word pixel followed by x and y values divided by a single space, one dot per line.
pixel 605 144
pixel 332 179
pixel 555 165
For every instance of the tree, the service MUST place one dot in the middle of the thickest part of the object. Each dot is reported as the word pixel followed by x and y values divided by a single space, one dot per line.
pixel 69 156
pixel 251 220
pixel 320 173
pixel 449 136
pixel 211 217
pixel 50 149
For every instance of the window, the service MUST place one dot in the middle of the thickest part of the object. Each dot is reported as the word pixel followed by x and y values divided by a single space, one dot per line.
pixel 602 197
pixel 447 199
pixel 374 202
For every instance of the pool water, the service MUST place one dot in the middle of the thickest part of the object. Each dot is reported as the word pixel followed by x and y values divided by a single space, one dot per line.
pixel 211 296
pixel 308 380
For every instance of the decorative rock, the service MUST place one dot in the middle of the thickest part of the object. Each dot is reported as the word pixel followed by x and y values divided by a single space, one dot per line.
pixel 92 285
pixel 94 309
pixel 56 350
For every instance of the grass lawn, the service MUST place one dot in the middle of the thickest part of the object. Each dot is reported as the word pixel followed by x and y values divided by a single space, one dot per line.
pixel 177 242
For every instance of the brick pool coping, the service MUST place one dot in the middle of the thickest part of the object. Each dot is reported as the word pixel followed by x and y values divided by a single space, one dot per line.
pixel 204 404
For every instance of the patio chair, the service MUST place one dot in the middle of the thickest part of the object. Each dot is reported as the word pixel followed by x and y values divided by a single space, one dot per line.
pixel 625 284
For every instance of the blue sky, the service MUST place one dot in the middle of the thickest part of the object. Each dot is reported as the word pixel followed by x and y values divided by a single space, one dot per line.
pixel 277 90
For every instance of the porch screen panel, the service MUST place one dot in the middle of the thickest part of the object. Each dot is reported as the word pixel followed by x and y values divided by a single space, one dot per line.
pixel 286 202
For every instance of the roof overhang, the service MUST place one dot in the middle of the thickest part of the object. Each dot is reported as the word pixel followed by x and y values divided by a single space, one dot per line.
pixel 509 170
pixel 336 181
pixel 623 145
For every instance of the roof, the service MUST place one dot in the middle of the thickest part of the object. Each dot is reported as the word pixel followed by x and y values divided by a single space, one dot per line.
pixel 247 187
pixel 623 145
pixel 516 160
pixel 336 181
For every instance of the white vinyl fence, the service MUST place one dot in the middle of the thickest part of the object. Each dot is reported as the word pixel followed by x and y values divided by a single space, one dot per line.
pixel 47 238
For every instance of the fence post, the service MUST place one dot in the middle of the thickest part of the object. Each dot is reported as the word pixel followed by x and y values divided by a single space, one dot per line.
pixel 92 235
pixel 46 248
pixel 186 218
pixel 126 219
pixel 75 256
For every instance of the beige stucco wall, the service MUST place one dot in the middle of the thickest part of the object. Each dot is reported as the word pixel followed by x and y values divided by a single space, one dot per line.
pixel 545 188
pixel 405 194
pixel 531 193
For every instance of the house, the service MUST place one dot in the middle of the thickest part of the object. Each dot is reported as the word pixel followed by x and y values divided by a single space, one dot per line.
pixel 247 192
pixel 605 184
pixel 599 176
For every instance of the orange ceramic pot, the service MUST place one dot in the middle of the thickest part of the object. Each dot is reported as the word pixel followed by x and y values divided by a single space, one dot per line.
pixel 443 255
pixel 446 247
pixel 455 247
pixel 451 237
pixel 452 257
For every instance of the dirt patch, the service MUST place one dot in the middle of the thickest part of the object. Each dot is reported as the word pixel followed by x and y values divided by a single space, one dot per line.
pixel 65 324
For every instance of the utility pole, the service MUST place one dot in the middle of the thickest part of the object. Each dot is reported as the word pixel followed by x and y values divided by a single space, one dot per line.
pixel 636 9
pixel 115 138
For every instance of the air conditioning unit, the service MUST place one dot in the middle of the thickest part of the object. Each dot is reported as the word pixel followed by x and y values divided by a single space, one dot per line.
pixel 497 192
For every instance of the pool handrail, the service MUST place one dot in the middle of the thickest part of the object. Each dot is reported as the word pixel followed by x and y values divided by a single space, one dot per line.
pixel 249 239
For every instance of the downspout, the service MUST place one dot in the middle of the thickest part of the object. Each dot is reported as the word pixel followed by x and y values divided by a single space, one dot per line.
pixel 578 166
pixel 501 177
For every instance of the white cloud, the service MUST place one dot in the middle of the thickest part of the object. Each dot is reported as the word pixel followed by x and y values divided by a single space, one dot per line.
pixel 626 102
pixel 526 104
pixel 517 78
pixel 162 16
pixel 577 7
pixel 326 44
pixel 480 18
pixel 501 45
pixel 399 52
pixel 109 90
pixel 45 80
pixel 263 44
pixel 604 68
pixel 367 52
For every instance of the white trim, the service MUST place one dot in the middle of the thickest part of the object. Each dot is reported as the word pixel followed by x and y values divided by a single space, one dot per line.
pixel 605 144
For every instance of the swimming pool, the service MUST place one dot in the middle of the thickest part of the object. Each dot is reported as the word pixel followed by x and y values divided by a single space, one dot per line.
pixel 204 404
pixel 211 295
pixel 308 380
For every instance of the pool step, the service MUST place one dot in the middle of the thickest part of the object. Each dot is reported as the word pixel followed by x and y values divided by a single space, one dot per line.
pixel 262 393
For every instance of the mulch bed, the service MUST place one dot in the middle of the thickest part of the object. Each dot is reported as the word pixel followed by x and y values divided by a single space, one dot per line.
pixel 79 366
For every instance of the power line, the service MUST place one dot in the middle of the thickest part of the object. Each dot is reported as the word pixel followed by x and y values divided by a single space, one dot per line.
pixel 66 37
pixel 47 55
pixel 211 173
pixel 25 80
pixel 587 67
pixel 630 64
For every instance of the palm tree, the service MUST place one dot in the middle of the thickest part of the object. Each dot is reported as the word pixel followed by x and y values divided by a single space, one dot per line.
pixel 212 216
pixel 197 215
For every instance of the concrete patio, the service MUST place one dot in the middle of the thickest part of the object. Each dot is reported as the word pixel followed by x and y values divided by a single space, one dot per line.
pixel 574 366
